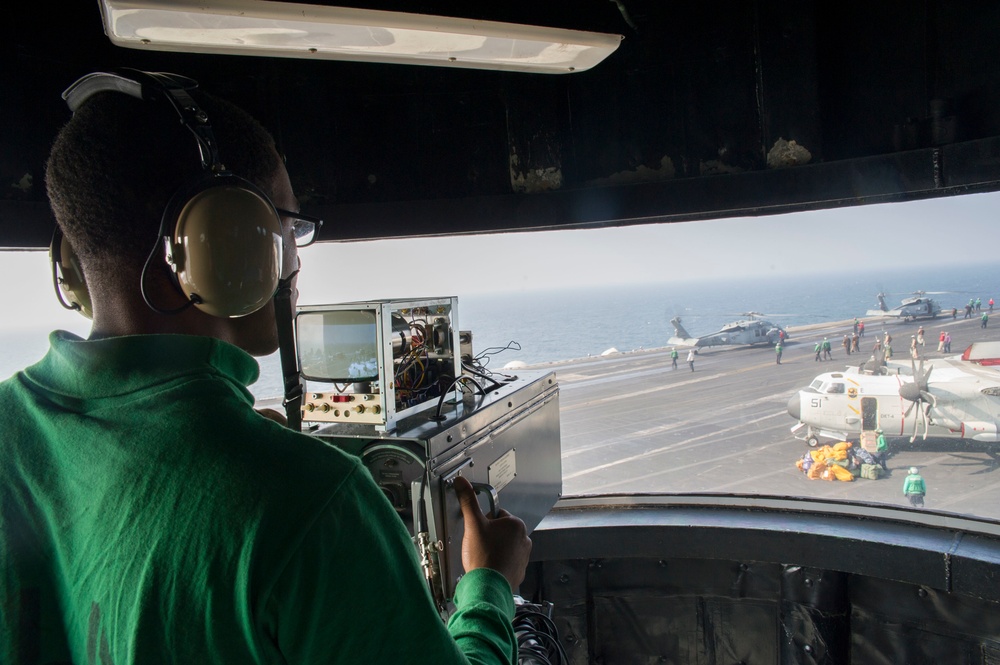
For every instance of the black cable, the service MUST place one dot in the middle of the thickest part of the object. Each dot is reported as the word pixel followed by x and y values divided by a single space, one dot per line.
pixel 494 350
pixel 193 300
pixel 56 259
pixel 537 637
pixel 478 367
pixel 444 393
pixel 472 370
pixel 292 380
pixel 410 358
pixel 421 516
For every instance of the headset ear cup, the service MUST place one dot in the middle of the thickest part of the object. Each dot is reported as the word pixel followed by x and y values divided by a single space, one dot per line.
pixel 69 277
pixel 226 248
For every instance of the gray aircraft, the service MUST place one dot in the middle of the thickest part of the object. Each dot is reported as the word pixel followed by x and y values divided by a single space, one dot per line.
pixel 749 331
pixel 917 306
pixel 961 401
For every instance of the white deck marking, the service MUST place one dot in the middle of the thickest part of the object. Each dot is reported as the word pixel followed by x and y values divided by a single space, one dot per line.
pixel 670 448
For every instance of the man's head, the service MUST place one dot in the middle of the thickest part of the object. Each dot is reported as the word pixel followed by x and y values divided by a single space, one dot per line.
pixel 111 173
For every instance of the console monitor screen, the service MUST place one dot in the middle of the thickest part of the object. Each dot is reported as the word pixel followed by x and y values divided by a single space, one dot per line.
pixel 338 346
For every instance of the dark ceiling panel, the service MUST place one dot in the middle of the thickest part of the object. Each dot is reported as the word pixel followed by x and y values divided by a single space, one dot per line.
pixel 705 111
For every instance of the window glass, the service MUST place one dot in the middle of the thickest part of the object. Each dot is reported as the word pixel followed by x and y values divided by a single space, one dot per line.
pixel 604 308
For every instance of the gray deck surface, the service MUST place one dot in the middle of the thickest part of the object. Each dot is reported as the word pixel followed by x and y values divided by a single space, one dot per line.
pixel 631 424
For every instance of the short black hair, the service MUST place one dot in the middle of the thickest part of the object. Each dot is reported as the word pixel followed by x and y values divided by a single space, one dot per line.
pixel 115 165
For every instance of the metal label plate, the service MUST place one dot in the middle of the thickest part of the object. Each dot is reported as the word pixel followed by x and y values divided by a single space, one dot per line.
pixel 503 470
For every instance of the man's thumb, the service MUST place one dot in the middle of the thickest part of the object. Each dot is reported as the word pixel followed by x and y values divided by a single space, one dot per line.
pixel 471 512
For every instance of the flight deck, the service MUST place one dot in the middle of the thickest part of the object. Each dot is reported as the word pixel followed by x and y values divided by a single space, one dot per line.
pixel 632 425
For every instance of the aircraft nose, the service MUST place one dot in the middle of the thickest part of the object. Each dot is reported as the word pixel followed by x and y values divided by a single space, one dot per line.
pixel 795 407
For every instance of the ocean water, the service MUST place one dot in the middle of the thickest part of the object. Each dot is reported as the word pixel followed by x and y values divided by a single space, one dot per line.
pixel 554 325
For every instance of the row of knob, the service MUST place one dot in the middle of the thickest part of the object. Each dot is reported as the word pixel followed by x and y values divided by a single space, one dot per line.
pixel 327 408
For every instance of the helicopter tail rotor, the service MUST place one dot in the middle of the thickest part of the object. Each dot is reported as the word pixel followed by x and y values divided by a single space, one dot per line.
pixel 880 296
pixel 679 330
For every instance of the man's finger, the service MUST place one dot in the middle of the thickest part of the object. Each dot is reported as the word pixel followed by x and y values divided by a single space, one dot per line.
pixel 471 511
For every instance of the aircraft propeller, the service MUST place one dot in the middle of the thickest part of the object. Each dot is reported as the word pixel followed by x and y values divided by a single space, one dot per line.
pixel 918 393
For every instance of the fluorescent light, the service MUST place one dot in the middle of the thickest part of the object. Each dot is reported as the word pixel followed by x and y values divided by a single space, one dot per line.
pixel 293 30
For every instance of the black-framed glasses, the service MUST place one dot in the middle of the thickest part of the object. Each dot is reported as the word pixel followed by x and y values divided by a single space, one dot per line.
pixel 305 229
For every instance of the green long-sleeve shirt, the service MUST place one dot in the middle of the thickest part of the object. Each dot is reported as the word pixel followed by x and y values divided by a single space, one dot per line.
pixel 149 515
pixel 914 484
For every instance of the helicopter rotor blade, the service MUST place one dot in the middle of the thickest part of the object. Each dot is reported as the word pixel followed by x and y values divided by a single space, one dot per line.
pixel 756 315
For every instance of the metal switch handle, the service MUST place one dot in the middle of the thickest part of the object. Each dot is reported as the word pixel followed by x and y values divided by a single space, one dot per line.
pixel 491 493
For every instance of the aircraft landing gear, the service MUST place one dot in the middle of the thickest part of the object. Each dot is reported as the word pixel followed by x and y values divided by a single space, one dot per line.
pixel 812 440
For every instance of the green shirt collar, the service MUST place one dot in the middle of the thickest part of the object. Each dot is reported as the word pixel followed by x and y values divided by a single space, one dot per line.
pixel 120 365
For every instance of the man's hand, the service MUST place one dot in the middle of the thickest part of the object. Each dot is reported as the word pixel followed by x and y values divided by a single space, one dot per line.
pixel 276 416
pixel 500 542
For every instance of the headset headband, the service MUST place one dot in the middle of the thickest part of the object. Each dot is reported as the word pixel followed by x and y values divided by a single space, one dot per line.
pixel 153 86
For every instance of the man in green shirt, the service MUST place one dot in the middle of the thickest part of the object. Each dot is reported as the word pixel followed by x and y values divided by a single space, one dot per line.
pixel 881 449
pixel 148 514
pixel 914 488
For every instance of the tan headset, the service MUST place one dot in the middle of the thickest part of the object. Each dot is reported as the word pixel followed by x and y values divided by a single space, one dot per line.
pixel 220 234
pixel 67 276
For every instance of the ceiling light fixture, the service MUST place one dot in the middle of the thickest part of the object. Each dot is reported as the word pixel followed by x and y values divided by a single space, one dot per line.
pixel 294 30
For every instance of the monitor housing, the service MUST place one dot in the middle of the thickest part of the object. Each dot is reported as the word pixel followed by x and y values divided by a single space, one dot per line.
pixel 377 361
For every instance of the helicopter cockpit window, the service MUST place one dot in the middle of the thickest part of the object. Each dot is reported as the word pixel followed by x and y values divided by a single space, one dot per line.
pixel 817 384
pixel 835 388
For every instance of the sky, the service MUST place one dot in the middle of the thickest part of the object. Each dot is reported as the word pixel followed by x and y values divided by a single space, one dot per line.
pixel 894 235
pixel 934 232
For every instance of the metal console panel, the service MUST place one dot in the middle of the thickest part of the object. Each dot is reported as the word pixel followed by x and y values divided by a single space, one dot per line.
pixel 507 443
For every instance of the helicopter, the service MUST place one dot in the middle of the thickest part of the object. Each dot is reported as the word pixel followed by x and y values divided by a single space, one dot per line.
pixel 751 330
pixel 917 306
